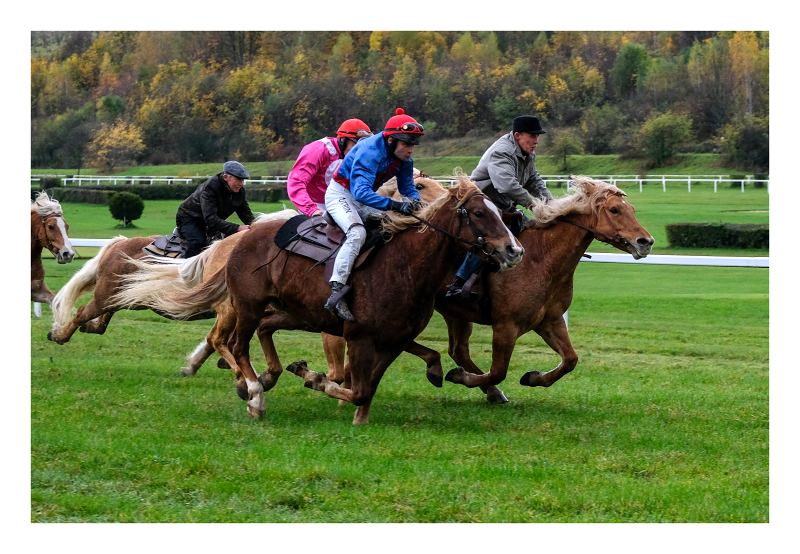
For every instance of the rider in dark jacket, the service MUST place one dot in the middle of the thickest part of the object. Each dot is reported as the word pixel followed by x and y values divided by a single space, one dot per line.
pixel 203 213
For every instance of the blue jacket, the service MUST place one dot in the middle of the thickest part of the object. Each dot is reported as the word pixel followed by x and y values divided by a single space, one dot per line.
pixel 368 165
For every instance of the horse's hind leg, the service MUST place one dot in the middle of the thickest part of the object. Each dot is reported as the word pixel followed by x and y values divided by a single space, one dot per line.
pixel 334 355
pixel 555 334
pixel 197 358
pixel 459 332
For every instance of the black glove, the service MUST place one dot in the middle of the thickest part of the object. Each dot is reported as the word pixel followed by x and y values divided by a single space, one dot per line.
pixel 417 205
pixel 405 208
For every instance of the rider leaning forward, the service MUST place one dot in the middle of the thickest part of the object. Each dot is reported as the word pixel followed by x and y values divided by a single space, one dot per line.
pixel 351 198
pixel 506 173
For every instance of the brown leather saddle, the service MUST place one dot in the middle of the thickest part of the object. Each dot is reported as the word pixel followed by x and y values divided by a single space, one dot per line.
pixel 318 238
pixel 170 246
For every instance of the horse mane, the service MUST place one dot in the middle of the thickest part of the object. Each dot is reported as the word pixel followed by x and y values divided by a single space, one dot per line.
pixel 584 195
pixel 395 222
pixel 46 206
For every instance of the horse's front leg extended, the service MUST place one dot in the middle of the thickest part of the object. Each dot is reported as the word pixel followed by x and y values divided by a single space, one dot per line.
pixel 40 292
pixel 555 334
pixel 98 325
pixel 319 381
pixel 503 339
pixel 431 358
pixel 246 325
pixel 459 332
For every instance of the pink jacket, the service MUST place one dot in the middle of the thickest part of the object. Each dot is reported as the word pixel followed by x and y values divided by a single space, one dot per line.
pixel 311 174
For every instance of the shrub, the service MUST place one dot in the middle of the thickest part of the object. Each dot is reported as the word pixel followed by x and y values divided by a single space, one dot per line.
pixel 82 194
pixel 662 135
pixel 746 144
pixel 718 235
pixel 126 207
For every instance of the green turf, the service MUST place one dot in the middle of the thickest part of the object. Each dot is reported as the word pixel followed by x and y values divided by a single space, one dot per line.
pixel 665 419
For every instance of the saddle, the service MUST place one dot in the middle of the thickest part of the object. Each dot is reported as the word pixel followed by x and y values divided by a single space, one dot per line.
pixel 318 238
pixel 169 246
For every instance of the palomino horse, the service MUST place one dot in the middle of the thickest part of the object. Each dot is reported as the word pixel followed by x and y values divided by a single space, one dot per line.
pixel 259 275
pixel 48 230
pixel 538 292
pixel 102 275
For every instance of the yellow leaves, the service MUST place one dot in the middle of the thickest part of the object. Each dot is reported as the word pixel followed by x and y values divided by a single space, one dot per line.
pixel 115 144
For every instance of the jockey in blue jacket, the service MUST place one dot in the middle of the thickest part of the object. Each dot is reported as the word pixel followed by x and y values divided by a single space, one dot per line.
pixel 351 198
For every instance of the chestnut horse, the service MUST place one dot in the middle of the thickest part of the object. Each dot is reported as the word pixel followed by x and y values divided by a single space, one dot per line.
pixel 392 296
pixel 535 296
pixel 48 230
pixel 102 275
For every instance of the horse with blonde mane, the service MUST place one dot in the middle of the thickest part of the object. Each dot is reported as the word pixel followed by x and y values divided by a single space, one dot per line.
pixel 48 230
pixel 266 294
pixel 535 296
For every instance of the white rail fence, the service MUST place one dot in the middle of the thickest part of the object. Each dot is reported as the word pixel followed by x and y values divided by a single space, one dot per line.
pixel 660 180
pixel 654 259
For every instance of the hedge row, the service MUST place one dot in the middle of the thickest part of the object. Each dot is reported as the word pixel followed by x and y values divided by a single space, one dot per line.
pixel 93 194
pixel 718 235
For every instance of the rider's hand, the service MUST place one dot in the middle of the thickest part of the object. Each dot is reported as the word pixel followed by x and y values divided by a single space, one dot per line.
pixel 405 208
pixel 243 228
pixel 417 205
pixel 316 213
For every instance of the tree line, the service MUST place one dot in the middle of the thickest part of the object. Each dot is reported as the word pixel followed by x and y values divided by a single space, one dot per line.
pixel 107 99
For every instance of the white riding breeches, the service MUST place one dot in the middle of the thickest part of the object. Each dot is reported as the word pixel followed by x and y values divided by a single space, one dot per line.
pixel 349 215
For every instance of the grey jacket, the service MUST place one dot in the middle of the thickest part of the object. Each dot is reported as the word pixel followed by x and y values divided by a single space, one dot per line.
pixel 508 176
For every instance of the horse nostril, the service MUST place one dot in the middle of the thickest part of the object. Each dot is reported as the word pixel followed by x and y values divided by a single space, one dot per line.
pixel 644 241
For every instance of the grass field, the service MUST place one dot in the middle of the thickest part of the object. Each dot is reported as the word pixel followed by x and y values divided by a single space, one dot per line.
pixel 664 419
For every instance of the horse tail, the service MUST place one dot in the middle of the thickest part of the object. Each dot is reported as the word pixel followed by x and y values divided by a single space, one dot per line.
pixel 81 283
pixel 170 297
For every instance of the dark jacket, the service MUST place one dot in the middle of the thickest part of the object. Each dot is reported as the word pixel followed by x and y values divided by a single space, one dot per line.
pixel 508 176
pixel 212 203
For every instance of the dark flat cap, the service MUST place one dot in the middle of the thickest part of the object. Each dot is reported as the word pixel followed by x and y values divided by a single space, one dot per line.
pixel 236 169
pixel 528 124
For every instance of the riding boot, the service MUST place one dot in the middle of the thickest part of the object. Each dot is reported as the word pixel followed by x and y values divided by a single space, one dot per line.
pixel 336 303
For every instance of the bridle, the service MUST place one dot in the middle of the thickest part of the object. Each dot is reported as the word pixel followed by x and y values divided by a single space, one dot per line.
pixel 43 221
pixel 615 240
pixel 479 244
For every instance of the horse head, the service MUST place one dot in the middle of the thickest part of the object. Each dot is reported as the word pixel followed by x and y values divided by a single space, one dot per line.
pixel 602 210
pixel 49 228
pixel 479 224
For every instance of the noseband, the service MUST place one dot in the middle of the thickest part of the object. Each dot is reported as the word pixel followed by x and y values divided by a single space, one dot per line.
pixel 47 243
pixel 618 240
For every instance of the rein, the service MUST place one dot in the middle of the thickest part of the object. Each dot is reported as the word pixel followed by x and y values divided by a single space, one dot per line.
pixel 480 240
pixel 611 240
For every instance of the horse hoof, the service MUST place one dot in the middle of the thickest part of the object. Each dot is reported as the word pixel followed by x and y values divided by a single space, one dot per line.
pixel 241 390
pixel 296 367
pixel 222 363
pixel 531 379
pixel 255 413
pixel 496 397
pixel 455 375
pixel 188 372
pixel 434 379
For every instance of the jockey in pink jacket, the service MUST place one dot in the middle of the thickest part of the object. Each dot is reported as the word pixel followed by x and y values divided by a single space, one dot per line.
pixel 316 164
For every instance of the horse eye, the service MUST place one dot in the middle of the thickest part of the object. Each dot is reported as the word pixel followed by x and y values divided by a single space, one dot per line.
pixel 418 186
pixel 614 210
pixel 478 213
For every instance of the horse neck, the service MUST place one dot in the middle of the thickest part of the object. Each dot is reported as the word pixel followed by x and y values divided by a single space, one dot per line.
pixel 36 240
pixel 562 245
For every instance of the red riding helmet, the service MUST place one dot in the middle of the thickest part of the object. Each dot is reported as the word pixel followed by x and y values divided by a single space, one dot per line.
pixel 403 127
pixel 353 129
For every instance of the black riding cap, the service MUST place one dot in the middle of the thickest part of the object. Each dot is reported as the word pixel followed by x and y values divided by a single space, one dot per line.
pixel 528 124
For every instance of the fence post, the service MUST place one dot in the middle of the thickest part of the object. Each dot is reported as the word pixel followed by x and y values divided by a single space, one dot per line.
pixel 742 185
pixel 715 185
pixel 663 183
pixel 640 185
pixel 689 181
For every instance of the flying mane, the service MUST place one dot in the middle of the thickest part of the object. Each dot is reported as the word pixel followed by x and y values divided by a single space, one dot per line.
pixel 45 206
pixel 395 222
pixel 585 193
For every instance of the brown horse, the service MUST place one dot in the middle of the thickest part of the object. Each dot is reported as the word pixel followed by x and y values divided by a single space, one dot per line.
pixel 538 292
pixel 48 230
pixel 102 276
pixel 388 314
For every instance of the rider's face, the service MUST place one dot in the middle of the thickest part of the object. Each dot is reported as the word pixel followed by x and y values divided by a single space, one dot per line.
pixel 527 142
pixel 403 150
pixel 234 183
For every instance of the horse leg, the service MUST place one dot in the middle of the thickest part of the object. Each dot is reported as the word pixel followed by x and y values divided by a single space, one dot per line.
pixel 555 334
pixel 274 368
pixel 85 313
pixel 197 357
pixel 319 381
pixel 40 292
pixel 334 355
pixel 380 362
pixel 433 360
pixel 504 336
pixel 98 325
pixel 459 332
pixel 246 325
